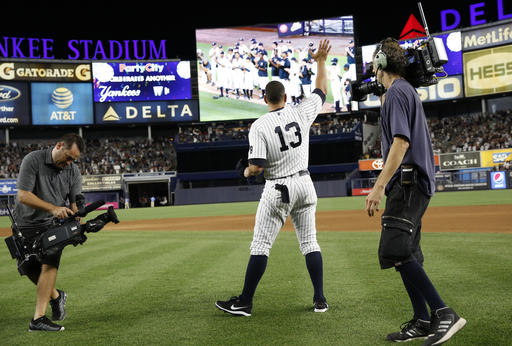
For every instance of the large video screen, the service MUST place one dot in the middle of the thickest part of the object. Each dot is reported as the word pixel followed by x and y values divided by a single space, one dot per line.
pixel 235 64
pixel 141 81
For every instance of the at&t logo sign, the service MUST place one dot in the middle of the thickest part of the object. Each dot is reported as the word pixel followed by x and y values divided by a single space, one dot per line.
pixel 62 98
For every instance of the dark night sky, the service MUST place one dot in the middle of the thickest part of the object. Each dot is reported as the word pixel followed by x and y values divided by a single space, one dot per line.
pixel 152 20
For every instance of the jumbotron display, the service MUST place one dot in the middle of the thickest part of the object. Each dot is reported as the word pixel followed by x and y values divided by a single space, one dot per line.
pixel 235 64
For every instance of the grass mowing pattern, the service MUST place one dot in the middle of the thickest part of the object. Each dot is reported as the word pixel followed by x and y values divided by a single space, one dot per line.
pixel 160 288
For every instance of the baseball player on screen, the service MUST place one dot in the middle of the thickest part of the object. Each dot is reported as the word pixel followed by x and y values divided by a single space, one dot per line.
pixel 279 146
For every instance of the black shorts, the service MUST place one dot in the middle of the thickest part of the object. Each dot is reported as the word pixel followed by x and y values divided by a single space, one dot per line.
pixel 401 226
pixel 33 264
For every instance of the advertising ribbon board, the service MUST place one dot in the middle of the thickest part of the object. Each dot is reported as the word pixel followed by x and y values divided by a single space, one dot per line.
pixel 14 104
pixel 462 160
pixel 104 182
pixel 496 157
pixel 62 104
pixel 45 72
pixel 488 71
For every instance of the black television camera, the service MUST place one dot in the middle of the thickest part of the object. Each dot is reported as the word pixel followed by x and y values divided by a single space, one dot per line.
pixel 61 233
pixel 424 61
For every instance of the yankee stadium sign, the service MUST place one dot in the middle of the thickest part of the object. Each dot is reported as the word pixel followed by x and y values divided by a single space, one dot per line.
pixel 43 48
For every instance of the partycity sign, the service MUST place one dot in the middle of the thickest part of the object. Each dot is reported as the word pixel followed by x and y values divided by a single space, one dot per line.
pixel 43 48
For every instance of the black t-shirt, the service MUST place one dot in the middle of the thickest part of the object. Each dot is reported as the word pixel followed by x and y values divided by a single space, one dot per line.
pixel 403 115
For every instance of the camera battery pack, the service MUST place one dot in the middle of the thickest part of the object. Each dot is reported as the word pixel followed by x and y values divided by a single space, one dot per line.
pixel 62 234
pixel 13 247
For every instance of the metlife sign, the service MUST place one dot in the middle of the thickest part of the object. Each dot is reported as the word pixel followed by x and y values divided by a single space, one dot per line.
pixel 146 112
pixel 137 81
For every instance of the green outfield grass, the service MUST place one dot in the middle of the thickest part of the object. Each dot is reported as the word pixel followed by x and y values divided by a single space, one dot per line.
pixel 129 287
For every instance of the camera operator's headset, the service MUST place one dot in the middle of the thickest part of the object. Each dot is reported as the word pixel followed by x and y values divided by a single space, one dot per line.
pixel 380 61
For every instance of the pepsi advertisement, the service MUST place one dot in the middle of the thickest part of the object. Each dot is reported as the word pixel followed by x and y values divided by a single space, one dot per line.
pixel 136 81
pixel 14 104
pixel 498 180
pixel 62 104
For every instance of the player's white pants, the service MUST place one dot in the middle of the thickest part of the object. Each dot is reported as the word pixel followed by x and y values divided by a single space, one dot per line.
pixel 306 88
pixel 336 90
pixel 272 213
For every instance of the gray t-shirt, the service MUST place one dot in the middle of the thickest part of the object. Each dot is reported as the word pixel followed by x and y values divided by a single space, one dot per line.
pixel 402 115
pixel 40 176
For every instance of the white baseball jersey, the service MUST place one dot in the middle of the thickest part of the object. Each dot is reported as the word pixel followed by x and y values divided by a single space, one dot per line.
pixel 281 138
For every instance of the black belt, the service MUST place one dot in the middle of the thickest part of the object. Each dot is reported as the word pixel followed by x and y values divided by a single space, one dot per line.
pixel 285 195
pixel 300 173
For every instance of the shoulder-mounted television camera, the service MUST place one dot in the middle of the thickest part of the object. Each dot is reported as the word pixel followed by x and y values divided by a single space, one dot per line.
pixel 61 233
pixel 424 61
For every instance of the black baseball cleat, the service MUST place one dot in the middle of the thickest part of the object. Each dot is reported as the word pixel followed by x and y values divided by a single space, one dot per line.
pixel 234 307
pixel 412 330
pixel 43 324
pixel 59 306
pixel 445 323
pixel 321 305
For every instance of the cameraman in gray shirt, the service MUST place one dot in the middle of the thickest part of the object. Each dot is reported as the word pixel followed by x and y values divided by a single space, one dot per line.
pixel 47 179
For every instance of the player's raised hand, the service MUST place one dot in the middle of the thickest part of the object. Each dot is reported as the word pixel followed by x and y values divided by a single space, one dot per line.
pixel 321 53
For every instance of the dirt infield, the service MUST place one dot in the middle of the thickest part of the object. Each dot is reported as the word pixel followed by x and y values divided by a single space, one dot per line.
pixel 482 219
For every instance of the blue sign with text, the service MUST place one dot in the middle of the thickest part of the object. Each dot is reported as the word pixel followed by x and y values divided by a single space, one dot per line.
pixel 62 104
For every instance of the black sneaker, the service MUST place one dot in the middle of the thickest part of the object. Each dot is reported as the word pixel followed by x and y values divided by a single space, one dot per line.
pixel 59 306
pixel 445 323
pixel 412 330
pixel 321 305
pixel 234 307
pixel 44 324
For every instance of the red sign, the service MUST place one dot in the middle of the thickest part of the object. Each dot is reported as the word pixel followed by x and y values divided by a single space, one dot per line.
pixel 361 192
pixel 412 29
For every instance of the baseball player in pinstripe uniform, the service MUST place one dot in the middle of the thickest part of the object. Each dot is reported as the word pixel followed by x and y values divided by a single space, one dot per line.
pixel 279 147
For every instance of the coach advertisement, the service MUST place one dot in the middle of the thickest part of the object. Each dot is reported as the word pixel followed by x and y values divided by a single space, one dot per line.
pixel 151 81
pixel 146 112
pixel 456 161
pixel 14 104
pixel 45 72
pixel 62 104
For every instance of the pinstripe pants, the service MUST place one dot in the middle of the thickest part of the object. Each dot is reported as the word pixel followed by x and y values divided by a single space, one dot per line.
pixel 272 214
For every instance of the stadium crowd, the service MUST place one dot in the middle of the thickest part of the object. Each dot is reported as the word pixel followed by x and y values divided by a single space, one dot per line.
pixel 240 131
pixel 105 156
pixel 471 132
pixel 462 133
pixel 138 154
